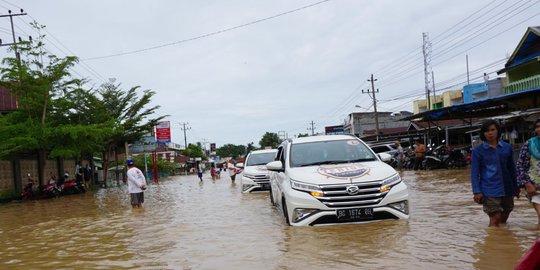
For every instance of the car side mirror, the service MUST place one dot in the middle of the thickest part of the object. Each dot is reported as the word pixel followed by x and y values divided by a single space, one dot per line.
pixel 239 165
pixel 385 157
pixel 275 166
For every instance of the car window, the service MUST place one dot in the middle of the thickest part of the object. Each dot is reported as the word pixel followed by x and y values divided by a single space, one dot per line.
pixel 380 149
pixel 255 159
pixel 329 152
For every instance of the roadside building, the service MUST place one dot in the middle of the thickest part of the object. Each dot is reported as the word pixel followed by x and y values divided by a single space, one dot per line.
pixel 361 124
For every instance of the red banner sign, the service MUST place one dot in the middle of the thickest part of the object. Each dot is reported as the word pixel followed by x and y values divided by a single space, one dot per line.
pixel 163 132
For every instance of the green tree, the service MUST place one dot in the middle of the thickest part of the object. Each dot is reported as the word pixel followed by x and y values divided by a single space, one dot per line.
pixel 250 147
pixel 300 135
pixel 129 113
pixel 269 139
pixel 231 150
pixel 40 125
pixel 194 151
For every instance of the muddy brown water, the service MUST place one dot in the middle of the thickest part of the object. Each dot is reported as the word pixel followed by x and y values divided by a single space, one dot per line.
pixel 186 224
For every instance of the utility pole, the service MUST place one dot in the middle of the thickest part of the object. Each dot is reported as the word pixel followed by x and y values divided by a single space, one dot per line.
pixel 467 63
pixel 426 50
pixel 433 82
pixel 17 55
pixel 312 128
pixel 184 128
pixel 372 81
pixel 204 142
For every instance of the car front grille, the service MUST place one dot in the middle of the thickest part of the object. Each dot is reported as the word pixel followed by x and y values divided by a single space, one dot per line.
pixel 336 196
pixel 259 178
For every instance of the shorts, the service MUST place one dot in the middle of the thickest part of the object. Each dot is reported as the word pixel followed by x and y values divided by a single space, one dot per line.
pixel 534 198
pixel 199 174
pixel 494 205
pixel 137 198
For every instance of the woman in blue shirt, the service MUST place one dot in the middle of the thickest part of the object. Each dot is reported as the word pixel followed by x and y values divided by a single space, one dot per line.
pixel 528 167
pixel 493 174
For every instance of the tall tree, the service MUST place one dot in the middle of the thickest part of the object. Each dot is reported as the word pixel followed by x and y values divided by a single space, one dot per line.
pixel 231 150
pixel 40 81
pixel 250 147
pixel 269 139
pixel 194 151
pixel 130 114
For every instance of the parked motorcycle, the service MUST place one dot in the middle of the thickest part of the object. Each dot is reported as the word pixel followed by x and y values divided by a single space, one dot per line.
pixel 435 158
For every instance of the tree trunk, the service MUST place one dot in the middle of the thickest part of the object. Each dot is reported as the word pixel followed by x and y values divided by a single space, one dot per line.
pixel 105 166
pixel 116 170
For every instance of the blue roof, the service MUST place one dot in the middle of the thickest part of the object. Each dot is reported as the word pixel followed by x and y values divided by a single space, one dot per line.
pixel 528 48
pixel 468 109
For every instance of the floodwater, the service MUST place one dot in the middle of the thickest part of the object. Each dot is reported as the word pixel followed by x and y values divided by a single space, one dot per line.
pixel 186 224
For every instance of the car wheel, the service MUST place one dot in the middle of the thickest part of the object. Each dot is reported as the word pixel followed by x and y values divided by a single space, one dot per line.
pixel 285 212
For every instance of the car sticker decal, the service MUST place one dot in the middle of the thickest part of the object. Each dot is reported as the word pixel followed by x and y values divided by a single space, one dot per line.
pixel 261 168
pixel 353 142
pixel 344 171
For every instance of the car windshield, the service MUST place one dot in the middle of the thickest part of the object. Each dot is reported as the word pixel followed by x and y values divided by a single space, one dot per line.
pixel 260 158
pixel 329 152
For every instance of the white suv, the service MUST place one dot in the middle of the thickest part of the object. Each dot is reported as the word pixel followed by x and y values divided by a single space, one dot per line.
pixel 335 179
pixel 255 176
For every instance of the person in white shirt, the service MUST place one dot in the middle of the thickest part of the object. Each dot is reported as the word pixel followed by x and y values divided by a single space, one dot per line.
pixel 232 171
pixel 136 184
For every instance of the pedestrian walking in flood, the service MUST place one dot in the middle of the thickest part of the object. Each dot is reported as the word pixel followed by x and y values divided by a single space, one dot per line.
pixel 528 169
pixel 136 184
pixel 213 171
pixel 400 155
pixel 420 154
pixel 199 170
pixel 493 174
pixel 79 172
pixel 87 173
pixel 232 171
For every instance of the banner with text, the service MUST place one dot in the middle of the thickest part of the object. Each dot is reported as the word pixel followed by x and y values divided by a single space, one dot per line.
pixel 163 132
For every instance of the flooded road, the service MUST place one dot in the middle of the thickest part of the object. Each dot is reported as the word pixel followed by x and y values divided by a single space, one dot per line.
pixel 186 224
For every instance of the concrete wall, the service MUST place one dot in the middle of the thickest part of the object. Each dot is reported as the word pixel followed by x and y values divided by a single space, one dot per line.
pixel 6 177
pixel 7 182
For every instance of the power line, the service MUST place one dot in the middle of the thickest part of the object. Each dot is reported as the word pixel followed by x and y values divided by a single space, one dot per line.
pixel 207 35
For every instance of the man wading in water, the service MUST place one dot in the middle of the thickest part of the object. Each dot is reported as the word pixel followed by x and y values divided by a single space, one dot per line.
pixel 493 174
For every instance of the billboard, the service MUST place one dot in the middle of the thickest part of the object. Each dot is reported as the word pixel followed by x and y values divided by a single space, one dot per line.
pixel 334 130
pixel 163 132
pixel 147 144
pixel 212 147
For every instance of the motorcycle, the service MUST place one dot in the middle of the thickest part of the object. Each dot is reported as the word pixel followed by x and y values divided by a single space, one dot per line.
pixel 72 187
pixel 435 158
pixel 456 159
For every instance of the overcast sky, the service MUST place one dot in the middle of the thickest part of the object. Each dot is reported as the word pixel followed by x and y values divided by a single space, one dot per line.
pixel 275 73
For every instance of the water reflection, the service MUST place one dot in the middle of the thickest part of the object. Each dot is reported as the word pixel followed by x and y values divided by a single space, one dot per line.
pixel 189 224
pixel 499 249
pixel 343 246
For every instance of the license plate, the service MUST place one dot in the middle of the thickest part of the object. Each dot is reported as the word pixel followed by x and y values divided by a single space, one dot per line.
pixel 265 186
pixel 354 214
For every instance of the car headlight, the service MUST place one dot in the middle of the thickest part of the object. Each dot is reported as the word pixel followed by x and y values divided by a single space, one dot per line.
pixel 388 183
pixel 314 190
pixel 248 176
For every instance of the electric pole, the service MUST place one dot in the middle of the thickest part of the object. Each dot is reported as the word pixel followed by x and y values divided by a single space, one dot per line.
pixel 184 128
pixel 17 55
pixel 373 91
pixel 426 50
pixel 312 128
